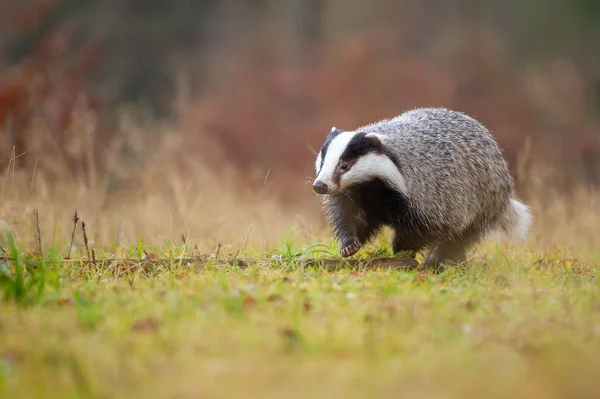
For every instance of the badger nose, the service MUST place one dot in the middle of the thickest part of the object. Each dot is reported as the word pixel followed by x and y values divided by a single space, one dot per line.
pixel 320 187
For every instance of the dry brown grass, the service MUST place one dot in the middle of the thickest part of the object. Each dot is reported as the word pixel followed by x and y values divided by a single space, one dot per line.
pixel 163 200
pixel 234 165
pixel 178 194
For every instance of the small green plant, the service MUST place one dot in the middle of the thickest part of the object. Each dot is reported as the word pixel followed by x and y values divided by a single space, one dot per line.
pixel 140 248
pixel 21 281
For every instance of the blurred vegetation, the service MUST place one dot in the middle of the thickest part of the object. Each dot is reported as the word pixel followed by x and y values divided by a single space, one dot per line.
pixel 144 38
pixel 288 70
pixel 140 39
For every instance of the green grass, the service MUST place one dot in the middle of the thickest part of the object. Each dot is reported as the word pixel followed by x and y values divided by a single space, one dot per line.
pixel 511 324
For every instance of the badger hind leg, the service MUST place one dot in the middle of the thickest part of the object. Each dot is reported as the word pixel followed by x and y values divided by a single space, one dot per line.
pixel 446 253
pixel 449 253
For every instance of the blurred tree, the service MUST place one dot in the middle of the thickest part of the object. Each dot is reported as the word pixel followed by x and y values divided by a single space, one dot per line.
pixel 144 37
pixel 141 38
pixel 285 68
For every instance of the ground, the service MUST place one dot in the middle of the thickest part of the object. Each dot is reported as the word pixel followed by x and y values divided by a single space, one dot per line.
pixel 513 323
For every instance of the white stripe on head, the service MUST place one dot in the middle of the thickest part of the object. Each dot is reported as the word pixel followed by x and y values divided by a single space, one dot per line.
pixel 319 156
pixel 318 163
pixel 372 166
pixel 332 156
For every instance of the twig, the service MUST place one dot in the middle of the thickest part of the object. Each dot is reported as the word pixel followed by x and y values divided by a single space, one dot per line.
pixel 218 250
pixel 32 185
pixel 11 160
pixel 75 221
pixel 266 177
pixel 39 235
pixel 85 240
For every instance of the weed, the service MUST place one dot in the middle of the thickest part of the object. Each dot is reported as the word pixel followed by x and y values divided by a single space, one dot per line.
pixel 21 280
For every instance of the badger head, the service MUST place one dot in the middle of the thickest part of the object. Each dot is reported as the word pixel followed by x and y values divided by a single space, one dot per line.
pixel 351 158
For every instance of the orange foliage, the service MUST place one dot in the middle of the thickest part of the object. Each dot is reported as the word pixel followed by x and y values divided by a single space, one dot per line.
pixel 269 115
pixel 30 17
pixel 273 116
pixel 44 89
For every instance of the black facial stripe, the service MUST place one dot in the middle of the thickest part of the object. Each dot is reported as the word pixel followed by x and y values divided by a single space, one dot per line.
pixel 360 145
pixel 333 134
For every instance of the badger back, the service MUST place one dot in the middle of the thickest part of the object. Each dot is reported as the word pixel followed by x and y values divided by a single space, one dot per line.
pixel 453 167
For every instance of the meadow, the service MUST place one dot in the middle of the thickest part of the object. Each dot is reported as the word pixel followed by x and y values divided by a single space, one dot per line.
pixel 77 320
pixel 147 257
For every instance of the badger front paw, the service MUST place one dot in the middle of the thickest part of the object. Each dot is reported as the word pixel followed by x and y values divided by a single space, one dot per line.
pixel 350 248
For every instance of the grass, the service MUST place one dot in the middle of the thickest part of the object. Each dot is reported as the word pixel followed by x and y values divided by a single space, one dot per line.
pixel 519 321
pixel 511 324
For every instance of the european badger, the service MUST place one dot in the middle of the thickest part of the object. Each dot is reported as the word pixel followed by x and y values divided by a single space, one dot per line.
pixel 435 176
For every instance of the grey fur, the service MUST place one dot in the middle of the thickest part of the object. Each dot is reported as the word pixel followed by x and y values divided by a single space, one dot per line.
pixel 458 188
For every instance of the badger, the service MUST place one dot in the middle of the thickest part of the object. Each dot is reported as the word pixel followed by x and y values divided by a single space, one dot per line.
pixel 435 176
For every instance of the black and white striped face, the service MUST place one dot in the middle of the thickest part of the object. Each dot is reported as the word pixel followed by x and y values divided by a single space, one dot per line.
pixel 349 158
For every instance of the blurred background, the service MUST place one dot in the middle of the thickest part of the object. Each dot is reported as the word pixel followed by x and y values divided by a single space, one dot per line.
pixel 207 115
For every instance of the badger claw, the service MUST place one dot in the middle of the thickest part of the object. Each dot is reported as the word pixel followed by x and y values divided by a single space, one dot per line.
pixel 350 249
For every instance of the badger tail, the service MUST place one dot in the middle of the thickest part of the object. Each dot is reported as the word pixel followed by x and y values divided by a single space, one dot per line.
pixel 516 220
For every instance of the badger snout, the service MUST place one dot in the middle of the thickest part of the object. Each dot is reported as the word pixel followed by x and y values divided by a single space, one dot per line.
pixel 320 187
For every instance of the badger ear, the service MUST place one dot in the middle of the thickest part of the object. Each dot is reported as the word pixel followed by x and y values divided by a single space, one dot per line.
pixel 375 141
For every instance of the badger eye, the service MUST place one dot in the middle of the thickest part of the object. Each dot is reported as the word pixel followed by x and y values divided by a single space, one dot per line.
pixel 344 166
